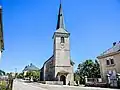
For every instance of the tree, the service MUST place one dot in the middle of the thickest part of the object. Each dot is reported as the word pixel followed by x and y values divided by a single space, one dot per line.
pixel 20 75
pixel 2 73
pixel 96 69
pixel 88 68
pixel 16 74
pixel 28 75
pixel 76 77
pixel 72 63
pixel 34 74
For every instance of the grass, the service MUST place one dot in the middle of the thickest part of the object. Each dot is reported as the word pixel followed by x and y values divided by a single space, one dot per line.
pixel 3 85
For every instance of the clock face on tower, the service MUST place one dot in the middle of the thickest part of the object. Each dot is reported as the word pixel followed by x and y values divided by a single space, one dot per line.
pixel 62 45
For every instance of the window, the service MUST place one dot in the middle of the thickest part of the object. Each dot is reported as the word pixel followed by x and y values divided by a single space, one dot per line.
pixel 109 72
pixel 112 61
pixel 62 40
pixel 107 62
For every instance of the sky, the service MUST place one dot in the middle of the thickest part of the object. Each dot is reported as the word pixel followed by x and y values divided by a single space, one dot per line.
pixel 29 26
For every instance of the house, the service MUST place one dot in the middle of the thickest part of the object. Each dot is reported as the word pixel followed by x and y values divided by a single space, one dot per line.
pixel 110 63
pixel 30 67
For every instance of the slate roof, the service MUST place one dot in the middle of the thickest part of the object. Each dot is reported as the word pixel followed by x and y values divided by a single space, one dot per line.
pixel 1 31
pixel 60 22
pixel 114 48
pixel 31 67
pixel 48 60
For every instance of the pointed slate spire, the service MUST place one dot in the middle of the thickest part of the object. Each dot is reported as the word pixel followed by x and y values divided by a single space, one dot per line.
pixel 60 22
pixel 1 31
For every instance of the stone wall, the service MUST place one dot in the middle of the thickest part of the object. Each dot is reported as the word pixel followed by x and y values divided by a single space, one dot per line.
pixel 69 70
pixel 49 70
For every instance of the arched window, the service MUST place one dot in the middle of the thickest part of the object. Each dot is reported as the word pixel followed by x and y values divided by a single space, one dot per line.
pixel 62 40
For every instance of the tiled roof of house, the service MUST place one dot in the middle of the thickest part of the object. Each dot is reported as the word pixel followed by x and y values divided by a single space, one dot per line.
pixel 31 67
pixel 115 48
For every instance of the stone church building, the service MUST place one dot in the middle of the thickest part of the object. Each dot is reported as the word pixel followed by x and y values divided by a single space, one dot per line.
pixel 59 66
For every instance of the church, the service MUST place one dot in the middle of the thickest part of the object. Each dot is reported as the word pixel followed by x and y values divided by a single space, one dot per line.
pixel 59 66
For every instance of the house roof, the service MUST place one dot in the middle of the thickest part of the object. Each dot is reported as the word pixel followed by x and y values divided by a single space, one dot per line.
pixel 113 49
pixel 31 67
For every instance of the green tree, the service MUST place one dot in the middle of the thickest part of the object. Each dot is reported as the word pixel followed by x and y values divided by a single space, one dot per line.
pixel 96 70
pixel 34 74
pixel 72 63
pixel 2 73
pixel 28 75
pixel 20 75
pixel 88 68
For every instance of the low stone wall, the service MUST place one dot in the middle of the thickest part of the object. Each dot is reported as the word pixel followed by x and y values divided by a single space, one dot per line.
pixel 52 82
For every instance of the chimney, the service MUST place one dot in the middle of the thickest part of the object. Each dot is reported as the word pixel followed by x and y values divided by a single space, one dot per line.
pixel 114 43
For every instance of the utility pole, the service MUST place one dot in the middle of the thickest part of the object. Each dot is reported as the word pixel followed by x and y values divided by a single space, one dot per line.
pixel 15 72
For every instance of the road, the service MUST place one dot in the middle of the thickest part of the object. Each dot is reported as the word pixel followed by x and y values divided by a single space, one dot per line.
pixel 21 85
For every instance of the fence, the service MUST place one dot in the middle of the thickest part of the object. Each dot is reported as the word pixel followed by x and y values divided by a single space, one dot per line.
pixel 95 82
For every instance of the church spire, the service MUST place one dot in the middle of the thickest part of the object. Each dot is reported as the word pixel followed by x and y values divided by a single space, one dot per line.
pixel 1 31
pixel 60 22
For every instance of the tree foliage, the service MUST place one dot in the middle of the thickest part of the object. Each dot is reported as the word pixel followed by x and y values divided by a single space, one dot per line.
pixel 88 68
pixel 34 74
pixel 72 63
pixel 20 75
pixel 3 85
pixel 2 73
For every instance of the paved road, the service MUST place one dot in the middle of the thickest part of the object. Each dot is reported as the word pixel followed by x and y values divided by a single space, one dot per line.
pixel 21 85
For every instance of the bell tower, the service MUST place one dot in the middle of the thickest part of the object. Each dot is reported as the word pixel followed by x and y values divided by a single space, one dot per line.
pixel 59 67
pixel 61 42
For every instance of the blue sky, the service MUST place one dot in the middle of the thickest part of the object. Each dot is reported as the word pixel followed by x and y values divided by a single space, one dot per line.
pixel 29 25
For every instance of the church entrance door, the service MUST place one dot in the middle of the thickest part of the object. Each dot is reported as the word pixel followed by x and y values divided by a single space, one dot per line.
pixel 63 78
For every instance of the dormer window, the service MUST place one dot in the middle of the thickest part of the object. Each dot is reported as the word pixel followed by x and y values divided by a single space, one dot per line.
pixel 62 40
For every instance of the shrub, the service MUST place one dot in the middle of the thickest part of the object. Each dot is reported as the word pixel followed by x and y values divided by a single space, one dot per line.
pixel 3 85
